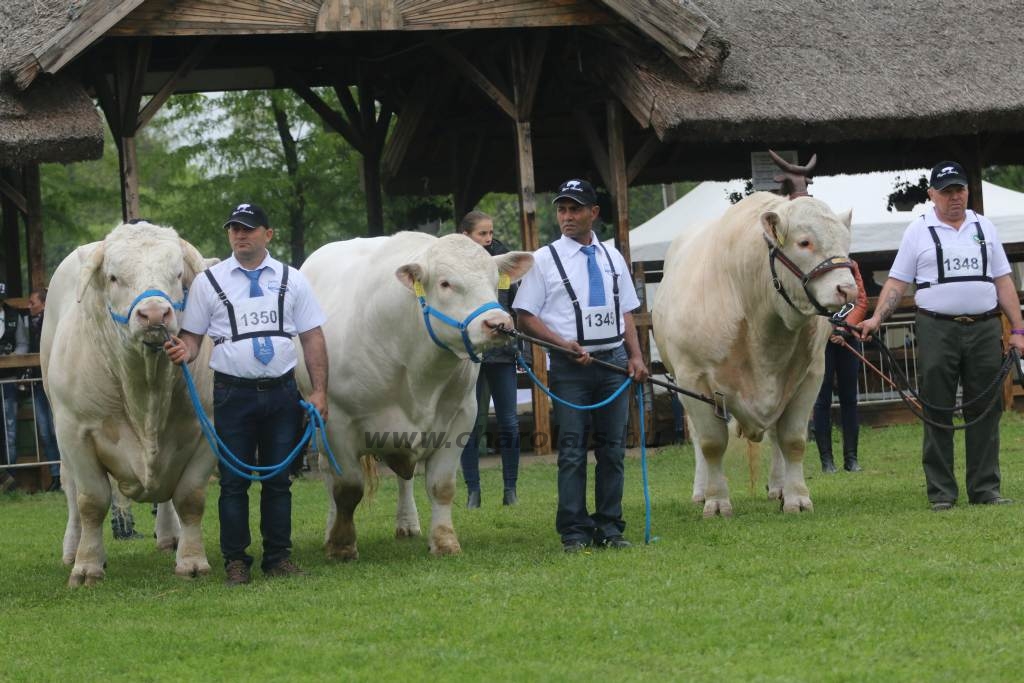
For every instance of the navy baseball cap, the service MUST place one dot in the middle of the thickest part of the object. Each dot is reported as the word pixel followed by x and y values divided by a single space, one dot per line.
pixel 249 215
pixel 946 173
pixel 580 191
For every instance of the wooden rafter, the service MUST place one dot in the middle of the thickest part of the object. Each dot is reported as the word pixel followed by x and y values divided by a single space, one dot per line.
pixel 198 53
pixel 332 118
pixel 14 195
pixel 596 147
pixel 642 157
pixel 464 66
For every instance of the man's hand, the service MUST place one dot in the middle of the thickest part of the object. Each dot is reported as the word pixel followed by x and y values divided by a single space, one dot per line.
pixel 176 350
pixel 319 401
pixel 867 328
pixel 637 370
pixel 583 358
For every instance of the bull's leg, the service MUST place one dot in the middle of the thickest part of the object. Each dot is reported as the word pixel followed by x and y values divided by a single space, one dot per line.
pixel 440 475
pixel 92 499
pixel 73 530
pixel 344 492
pixel 190 502
pixel 407 517
pixel 168 527
pixel 792 441
pixel 710 437
pixel 777 478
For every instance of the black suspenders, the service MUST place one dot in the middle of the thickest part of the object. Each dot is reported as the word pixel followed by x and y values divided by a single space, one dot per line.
pixel 966 278
pixel 279 332
pixel 577 309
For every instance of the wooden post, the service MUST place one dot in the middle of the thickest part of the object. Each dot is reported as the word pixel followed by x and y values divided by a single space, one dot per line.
pixel 617 172
pixel 12 238
pixel 129 159
pixel 371 159
pixel 33 227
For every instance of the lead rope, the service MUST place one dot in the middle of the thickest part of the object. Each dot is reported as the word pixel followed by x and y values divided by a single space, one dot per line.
pixel 314 426
pixel 600 404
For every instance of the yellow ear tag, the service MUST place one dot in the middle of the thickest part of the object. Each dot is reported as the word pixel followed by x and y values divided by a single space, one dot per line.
pixel 504 281
pixel 418 288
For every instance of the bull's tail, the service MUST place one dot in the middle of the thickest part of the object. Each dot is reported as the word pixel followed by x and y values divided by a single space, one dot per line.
pixel 753 465
pixel 371 480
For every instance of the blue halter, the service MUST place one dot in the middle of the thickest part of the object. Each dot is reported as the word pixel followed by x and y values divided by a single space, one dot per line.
pixel 460 326
pixel 123 319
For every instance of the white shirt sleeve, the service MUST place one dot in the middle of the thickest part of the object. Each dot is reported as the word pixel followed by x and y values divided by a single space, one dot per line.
pixel 21 335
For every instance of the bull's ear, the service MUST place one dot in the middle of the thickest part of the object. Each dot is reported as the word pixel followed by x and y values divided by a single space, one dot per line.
pixel 515 264
pixel 409 274
pixel 90 270
pixel 194 263
pixel 772 224
pixel 847 218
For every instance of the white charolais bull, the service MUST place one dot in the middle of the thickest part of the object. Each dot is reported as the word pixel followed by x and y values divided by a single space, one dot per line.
pixel 394 393
pixel 120 407
pixel 721 326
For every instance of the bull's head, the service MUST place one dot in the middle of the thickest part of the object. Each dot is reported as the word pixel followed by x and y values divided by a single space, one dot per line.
pixel 813 245
pixel 141 272
pixel 455 280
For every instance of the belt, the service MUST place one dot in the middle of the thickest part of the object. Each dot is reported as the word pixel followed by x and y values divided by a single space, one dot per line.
pixel 262 384
pixel 962 319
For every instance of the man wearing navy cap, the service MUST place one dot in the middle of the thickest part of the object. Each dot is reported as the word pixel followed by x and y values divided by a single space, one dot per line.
pixel 963 281
pixel 579 295
pixel 251 305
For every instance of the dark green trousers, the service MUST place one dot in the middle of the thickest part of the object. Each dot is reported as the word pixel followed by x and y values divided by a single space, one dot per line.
pixel 948 353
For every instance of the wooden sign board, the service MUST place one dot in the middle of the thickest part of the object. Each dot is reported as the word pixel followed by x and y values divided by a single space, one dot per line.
pixel 763 169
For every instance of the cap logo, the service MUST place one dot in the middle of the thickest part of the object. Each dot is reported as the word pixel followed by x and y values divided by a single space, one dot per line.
pixel 244 208
pixel 572 185
pixel 945 170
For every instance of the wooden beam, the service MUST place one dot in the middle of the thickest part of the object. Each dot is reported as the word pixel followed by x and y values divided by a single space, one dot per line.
pixel 14 195
pixel 526 68
pixel 371 158
pixel 617 166
pixel 129 179
pixel 643 155
pixel 34 227
pixel 198 53
pixel 475 76
pixel 331 118
pixel 11 234
pixel 413 114
pixel 597 149
pixel 89 26
pixel 465 176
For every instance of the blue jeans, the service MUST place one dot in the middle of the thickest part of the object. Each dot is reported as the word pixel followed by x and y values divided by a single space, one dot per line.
pixel 607 426
pixel 9 405
pixel 267 422
pixel 501 378
pixel 44 421
pixel 844 366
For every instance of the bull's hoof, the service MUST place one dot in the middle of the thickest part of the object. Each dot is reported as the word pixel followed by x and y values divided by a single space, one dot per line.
pixel 167 545
pixel 68 560
pixel 192 569
pixel 444 542
pixel 717 507
pixel 698 497
pixel 84 577
pixel 407 531
pixel 343 553
pixel 774 493
pixel 797 504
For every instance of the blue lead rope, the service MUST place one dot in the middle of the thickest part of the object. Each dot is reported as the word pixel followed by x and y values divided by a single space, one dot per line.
pixel 643 436
pixel 243 469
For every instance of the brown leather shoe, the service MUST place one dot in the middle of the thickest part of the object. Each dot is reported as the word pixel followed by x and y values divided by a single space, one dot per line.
pixel 237 573
pixel 284 568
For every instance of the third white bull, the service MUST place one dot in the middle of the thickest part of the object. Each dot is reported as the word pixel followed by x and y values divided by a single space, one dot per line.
pixel 724 323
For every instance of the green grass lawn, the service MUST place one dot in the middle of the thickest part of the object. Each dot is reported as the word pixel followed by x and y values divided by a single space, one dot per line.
pixel 870 586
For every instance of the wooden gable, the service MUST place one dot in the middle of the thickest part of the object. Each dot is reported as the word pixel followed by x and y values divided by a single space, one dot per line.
pixel 254 17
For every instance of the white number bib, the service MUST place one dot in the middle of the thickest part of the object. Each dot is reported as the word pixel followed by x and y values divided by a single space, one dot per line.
pixel 962 261
pixel 257 314
pixel 599 323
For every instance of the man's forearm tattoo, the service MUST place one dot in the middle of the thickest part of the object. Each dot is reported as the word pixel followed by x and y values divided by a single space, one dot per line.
pixel 886 308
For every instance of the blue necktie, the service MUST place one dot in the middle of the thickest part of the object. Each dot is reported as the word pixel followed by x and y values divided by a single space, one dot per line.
pixel 262 347
pixel 594 275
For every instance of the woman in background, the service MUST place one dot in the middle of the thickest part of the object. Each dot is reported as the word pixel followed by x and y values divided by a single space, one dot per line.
pixel 497 372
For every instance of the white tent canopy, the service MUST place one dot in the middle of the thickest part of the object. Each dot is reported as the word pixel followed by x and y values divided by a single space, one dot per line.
pixel 874 228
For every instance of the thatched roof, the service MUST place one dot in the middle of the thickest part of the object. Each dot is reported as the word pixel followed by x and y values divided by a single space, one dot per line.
pixel 54 120
pixel 812 71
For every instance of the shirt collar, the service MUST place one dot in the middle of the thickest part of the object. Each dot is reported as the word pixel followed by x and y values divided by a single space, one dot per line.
pixel 932 219
pixel 268 262
pixel 571 247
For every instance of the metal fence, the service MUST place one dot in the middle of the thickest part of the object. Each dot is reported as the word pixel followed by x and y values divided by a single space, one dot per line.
pixel 900 336
pixel 29 451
